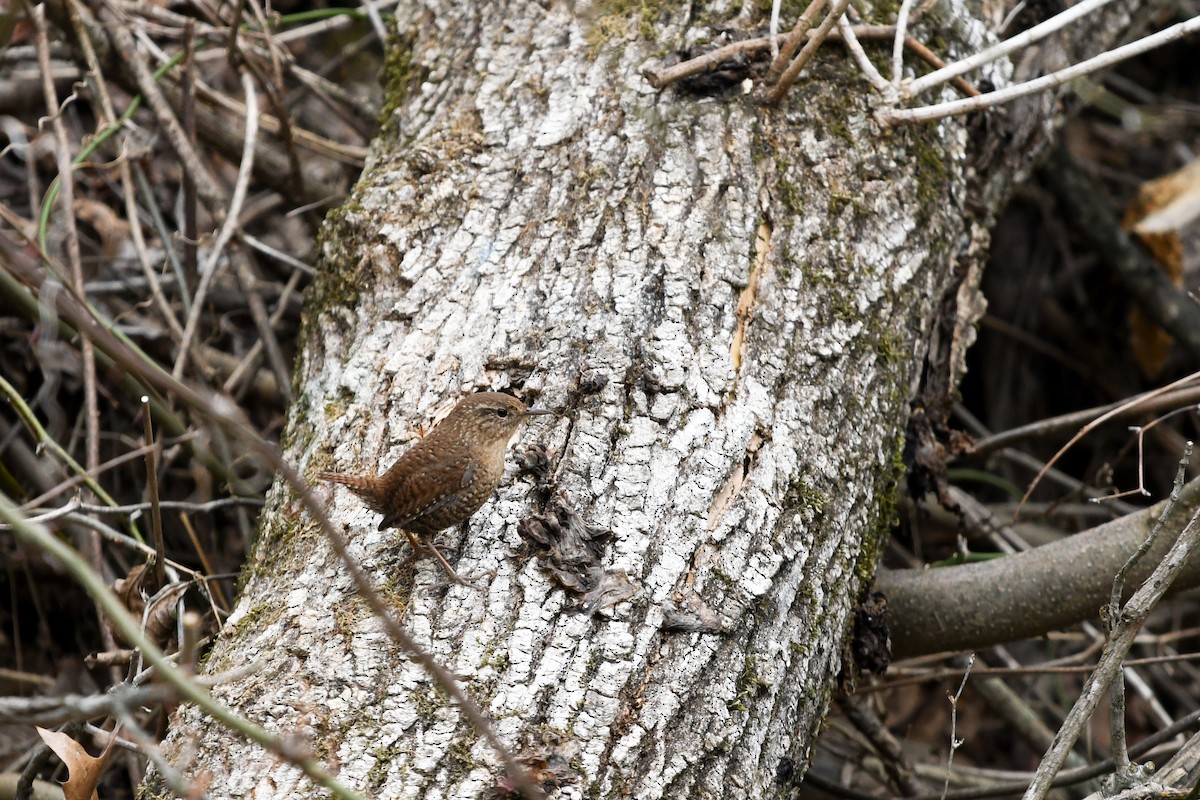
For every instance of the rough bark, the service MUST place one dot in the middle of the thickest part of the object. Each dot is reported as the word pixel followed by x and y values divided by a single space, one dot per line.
pixel 759 287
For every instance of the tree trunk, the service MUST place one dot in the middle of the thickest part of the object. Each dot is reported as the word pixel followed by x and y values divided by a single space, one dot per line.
pixel 728 304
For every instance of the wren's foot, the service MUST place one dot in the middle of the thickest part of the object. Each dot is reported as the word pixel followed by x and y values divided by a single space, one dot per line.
pixel 477 582
pixel 429 548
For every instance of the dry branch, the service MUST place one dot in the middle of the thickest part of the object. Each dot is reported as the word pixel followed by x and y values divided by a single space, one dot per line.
pixel 1015 597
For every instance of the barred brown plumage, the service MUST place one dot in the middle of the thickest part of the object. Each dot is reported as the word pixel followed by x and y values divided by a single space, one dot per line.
pixel 444 478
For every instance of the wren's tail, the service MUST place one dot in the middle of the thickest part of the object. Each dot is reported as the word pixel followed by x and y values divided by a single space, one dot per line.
pixel 364 486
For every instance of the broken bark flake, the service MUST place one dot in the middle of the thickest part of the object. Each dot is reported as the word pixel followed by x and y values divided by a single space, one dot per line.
pixel 571 552
pixel 687 612
pixel 534 460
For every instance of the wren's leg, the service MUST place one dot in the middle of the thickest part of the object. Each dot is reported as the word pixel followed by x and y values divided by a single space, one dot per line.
pixel 428 547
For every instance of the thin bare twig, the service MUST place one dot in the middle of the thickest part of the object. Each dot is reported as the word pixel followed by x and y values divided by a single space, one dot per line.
pixel 248 362
pixel 1129 405
pixel 332 23
pixel 262 322
pixel 898 43
pixel 376 22
pixel 1120 748
pixel 885 89
pixel 271 84
pixel 790 45
pixel 773 28
pixel 1094 64
pixel 114 536
pixel 1004 48
pixel 1179 398
pixel 278 255
pixel 345 153
pixel 807 52
pixel 46 711
pixel 909 677
pixel 713 58
pixel 929 57
pixel 1141 431
pixel 209 268
pixel 173 505
pixel 211 582
pixel 160 547
pixel 86 476
pixel 1124 629
pixel 704 62
pixel 954 741
pixel 190 269
pixel 65 510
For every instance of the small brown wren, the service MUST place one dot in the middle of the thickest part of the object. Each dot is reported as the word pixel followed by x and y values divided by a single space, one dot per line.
pixel 444 478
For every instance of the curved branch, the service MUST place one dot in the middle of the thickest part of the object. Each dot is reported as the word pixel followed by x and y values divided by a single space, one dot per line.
pixel 985 603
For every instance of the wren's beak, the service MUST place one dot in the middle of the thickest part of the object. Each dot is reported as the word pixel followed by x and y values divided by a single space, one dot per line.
pixel 537 412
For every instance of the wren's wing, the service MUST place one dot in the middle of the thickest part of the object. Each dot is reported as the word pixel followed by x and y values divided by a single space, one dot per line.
pixel 425 483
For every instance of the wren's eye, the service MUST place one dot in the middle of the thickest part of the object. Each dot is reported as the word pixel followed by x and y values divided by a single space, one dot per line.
pixel 501 412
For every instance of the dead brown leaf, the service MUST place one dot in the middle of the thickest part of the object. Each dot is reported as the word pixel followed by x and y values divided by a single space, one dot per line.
pixel 1166 204
pixel 84 770
pixel 160 622
pixel 1161 207
pixel 112 230
pixel 133 588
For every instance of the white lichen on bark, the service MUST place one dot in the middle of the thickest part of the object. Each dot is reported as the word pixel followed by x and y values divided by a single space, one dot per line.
pixel 574 221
